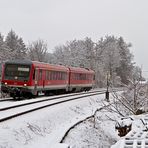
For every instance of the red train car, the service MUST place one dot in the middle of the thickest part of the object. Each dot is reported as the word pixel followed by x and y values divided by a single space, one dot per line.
pixel 81 79
pixel 27 78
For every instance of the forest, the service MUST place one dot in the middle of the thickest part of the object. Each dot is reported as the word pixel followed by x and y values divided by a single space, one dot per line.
pixel 109 57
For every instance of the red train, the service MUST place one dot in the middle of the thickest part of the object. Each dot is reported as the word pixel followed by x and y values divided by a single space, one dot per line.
pixel 25 78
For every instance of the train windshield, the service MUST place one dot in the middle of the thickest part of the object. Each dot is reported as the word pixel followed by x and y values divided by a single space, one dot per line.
pixel 17 72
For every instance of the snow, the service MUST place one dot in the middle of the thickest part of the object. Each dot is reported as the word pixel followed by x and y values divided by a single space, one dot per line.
pixel 87 134
pixel 124 122
pixel 138 136
pixel 45 128
pixel 61 145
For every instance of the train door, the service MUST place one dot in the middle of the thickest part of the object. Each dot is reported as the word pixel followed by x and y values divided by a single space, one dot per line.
pixel 41 79
pixel 36 83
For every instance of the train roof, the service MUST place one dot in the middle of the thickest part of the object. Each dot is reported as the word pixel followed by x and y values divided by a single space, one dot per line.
pixel 51 66
pixel 38 64
pixel 28 62
pixel 82 70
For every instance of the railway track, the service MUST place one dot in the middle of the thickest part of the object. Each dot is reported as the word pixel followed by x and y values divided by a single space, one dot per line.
pixel 39 99
pixel 4 100
pixel 9 112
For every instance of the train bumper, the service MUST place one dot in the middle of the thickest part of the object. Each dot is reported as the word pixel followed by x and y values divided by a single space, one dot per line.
pixel 14 91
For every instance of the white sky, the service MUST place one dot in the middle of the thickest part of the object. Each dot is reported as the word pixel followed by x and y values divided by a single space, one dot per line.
pixel 58 21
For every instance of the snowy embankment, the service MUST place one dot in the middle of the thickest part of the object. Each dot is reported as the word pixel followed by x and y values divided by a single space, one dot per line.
pixel 46 127
pixel 98 133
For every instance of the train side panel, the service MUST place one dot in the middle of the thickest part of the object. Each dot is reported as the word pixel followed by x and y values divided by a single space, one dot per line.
pixel 49 78
pixel 28 78
pixel 81 79
pixel 41 77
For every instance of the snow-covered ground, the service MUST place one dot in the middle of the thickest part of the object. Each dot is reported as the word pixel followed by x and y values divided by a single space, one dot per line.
pixel 46 127
pixel 90 134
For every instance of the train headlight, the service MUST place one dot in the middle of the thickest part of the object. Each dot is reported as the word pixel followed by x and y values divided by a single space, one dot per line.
pixel 5 83
pixel 25 84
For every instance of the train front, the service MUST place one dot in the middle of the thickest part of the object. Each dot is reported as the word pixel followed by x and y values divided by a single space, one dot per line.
pixel 15 78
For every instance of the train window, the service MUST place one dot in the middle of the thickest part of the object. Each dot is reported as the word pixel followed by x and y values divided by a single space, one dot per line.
pixel 34 75
pixel 55 75
pixel 51 76
pixel 40 74
pixel 87 77
pixel 47 75
pixel 65 75
pixel 77 76
pixel 84 76
pixel 90 77
pixel 21 72
pixel 81 76
pixel 60 75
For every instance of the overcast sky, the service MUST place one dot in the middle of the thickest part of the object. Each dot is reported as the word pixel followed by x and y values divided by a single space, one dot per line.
pixel 58 21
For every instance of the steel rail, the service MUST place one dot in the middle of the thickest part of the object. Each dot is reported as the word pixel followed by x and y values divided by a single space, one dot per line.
pixel 48 105
pixel 44 100
pixel 3 100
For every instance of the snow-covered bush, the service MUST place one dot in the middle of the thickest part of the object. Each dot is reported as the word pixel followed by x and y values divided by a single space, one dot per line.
pixel 133 101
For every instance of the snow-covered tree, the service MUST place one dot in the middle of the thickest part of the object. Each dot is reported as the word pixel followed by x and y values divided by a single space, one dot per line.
pixel 137 74
pixel 75 53
pixel 16 45
pixel 126 66
pixel 37 51
pixel 133 101
pixel 4 52
pixel 89 52
pixel 110 56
